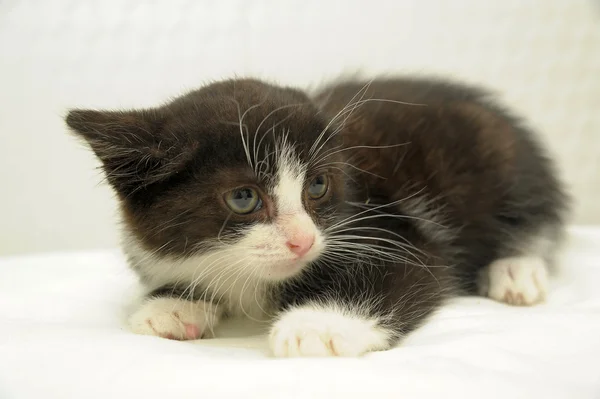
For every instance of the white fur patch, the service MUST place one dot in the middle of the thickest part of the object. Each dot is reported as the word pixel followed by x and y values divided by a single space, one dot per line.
pixel 174 318
pixel 517 281
pixel 293 222
pixel 289 188
pixel 225 273
pixel 322 330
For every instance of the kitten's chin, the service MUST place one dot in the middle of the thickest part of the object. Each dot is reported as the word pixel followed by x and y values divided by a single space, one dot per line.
pixel 289 268
pixel 285 270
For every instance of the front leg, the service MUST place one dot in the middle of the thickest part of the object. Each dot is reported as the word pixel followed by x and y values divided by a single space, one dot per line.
pixel 349 312
pixel 165 314
pixel 328 329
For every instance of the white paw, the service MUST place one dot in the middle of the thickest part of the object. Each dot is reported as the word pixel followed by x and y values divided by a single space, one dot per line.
pixel 518 281
pixel 315 330
pixel 173 318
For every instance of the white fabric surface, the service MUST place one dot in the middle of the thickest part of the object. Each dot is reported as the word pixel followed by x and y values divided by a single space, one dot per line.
pixel 61 336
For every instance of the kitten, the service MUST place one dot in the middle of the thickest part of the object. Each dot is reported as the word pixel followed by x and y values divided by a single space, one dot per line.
pixel 345 218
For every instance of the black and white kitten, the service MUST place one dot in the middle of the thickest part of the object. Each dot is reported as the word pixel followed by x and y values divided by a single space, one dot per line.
pixel 345 217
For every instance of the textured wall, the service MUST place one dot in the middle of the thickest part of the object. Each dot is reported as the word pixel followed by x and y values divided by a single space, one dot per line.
pixel 543 56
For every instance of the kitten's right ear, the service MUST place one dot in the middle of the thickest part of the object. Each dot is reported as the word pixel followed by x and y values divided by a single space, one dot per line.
pixel 134 147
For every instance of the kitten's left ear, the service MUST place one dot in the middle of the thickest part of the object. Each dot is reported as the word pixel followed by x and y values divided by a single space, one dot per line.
pixel 135 148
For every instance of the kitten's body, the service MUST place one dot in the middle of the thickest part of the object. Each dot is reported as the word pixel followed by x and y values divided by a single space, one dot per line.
pixel 433 191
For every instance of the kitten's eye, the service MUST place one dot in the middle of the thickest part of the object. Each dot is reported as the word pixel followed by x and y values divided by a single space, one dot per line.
pixel 243 200
pixel 318 187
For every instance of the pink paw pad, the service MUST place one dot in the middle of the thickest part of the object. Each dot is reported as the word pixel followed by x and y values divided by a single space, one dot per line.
pixel 192 331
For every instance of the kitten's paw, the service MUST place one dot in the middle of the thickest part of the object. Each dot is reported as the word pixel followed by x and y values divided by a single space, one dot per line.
pixel 173 318
pixel 325 331
pixel 520 281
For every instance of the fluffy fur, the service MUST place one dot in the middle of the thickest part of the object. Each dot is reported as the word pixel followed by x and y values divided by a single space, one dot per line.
pixel 431 191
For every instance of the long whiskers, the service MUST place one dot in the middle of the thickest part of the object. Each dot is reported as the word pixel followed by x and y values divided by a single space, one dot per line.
pixel 246 138
pixel 346 112
pixel 352 107
pixel 360 93
pixel 354 216
pixel 336 150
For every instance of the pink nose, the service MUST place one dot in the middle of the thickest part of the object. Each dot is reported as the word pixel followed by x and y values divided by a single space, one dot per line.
pixel 300 245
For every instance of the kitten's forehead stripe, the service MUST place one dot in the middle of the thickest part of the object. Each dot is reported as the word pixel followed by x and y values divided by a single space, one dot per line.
pixel 289 181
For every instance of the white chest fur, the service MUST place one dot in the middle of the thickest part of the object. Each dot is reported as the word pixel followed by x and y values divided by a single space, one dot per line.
pixel 217 273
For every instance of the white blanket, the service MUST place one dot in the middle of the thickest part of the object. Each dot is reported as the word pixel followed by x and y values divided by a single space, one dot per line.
pixel 62 336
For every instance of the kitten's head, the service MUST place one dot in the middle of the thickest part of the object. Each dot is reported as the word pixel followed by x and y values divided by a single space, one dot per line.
pixel 238 175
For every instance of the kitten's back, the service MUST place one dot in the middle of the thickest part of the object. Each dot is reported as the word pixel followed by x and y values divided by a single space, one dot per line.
pixel 468 172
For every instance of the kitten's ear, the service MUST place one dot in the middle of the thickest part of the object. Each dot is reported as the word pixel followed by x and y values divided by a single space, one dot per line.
pixel 134 147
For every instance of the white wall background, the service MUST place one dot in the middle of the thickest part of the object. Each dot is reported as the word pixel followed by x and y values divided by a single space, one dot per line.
pixel 542 55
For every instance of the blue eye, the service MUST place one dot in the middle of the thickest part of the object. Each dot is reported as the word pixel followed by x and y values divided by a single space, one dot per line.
pixel 318 187
pixel 243 200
